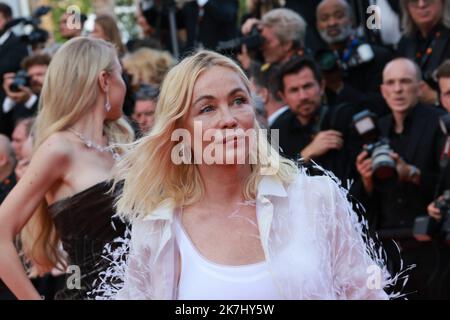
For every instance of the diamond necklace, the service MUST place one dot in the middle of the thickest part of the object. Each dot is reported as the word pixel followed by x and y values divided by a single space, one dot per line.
pixel 92 145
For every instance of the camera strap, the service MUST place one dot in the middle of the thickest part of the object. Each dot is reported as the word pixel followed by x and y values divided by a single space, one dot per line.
pixel 320 119
pixel 347 54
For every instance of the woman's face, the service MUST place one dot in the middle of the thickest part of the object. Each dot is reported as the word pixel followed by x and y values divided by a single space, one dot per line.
pixel 425 13
pixel 220 107
pixel 116 92
pixel 147 29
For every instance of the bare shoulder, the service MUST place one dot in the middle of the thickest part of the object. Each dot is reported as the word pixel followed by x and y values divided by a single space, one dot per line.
pixel 56 147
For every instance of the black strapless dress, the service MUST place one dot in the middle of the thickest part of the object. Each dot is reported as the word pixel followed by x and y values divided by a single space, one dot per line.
pixel 85 225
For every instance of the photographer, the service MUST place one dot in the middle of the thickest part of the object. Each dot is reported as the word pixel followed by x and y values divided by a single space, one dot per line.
pixel 311 130
pixel 283 32
pixel 416 143
pixel 12 50
pixel 426 39
pixel 443 77
pixel 23 90
pixel 352 68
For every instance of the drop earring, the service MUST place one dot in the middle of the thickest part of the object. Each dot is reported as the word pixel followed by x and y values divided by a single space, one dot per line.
pixel 107 104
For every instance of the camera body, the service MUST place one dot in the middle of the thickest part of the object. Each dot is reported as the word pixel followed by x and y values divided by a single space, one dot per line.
pixel 357 54
pixel 33 35
pixel 427 228
pixel 384 167
pixel 253 41
pixel 21 79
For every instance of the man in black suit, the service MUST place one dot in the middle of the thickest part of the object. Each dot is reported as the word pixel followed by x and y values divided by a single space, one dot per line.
pixel 209 21
pixel 416 140
pixel 311 130
pixel 356 75
pixel 24 102
pixel 12 50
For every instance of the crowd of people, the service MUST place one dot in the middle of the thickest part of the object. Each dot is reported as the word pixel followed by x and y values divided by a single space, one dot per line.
pixel 361 118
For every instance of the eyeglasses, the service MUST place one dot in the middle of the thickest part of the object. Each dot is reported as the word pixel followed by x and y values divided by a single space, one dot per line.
pixel 415 3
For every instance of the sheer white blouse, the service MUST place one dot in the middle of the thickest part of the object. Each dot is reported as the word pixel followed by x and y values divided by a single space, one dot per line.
pixel 313 242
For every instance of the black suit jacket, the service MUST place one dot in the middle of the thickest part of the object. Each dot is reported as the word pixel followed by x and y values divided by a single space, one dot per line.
pixel 12 53
pixel 217 24
pixel 441 51
pixel 8 120
pixel 293 138
pixel 397 209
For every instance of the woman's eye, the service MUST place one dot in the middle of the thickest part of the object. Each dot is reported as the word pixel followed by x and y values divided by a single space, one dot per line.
pixel 206 109
pixel 239 101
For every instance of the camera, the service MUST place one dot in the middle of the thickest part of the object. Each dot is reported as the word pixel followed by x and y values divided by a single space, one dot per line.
pixel 21 79
pixel 253 41
pixel 356 55
pixel 426 227
pixel 35 35
pixel 384 167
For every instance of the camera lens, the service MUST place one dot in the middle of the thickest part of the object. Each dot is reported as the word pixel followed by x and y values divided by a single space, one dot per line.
pixel 20 80
pixel 384 168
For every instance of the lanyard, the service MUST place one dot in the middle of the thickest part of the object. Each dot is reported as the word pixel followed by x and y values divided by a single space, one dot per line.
pixel 423 58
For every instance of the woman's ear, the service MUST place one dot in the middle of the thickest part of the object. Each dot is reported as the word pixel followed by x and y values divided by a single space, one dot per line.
pixel 103 81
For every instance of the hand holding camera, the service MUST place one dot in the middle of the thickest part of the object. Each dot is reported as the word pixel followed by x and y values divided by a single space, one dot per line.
pixel 16 86
pixel 249 24
pixel 323 142
pixel 434 211
pixel 381 172
pixel 364 167
pixel 437 224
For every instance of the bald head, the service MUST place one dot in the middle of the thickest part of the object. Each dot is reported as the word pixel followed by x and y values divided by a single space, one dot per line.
pixel 401 86
pixel 403 65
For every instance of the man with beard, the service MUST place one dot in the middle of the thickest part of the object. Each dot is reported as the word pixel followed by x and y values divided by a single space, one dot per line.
pixel 352 68
pixel 24 102
pixel 311 130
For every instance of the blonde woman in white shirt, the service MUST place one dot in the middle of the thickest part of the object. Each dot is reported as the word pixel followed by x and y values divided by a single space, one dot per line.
pixel 253 229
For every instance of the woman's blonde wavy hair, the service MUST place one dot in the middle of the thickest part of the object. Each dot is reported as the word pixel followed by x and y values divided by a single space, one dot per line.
pixel 70 90
pixel 150 177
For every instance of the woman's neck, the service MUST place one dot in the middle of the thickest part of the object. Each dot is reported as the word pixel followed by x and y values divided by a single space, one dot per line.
pixel 224 183
pixel 91 126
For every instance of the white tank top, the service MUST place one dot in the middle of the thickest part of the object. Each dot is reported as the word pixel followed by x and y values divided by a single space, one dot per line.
pixel 201 279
